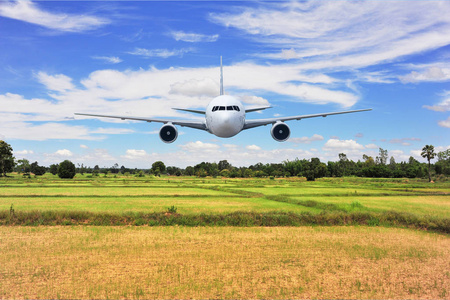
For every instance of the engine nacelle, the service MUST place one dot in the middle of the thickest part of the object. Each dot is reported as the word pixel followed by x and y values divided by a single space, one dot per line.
pixel 280 131
pixel 168 133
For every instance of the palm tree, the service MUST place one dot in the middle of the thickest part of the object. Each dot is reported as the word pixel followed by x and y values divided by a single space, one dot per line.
pixel 428 153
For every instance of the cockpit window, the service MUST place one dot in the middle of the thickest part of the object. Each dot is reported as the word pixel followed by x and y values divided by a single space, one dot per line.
pixel 231 107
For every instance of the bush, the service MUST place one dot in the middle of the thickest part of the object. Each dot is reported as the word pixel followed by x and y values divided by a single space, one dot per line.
pixel 66 169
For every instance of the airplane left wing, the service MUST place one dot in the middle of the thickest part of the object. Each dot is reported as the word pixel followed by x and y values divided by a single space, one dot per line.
pixel 188 123
pixel 261 122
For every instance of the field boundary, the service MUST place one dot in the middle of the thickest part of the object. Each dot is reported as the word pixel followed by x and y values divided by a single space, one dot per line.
pixel 239 218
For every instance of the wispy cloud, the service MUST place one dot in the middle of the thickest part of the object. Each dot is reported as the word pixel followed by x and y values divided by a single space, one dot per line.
pixel 30 12
pixel 112 131
pixel 306 140
pixel 442 106
pixel 445 123
pixel 438 72
pixel 57 82
pixel 164 53
pixel 404 141
pixel 193 37
pixel 109 59
pixel 363 33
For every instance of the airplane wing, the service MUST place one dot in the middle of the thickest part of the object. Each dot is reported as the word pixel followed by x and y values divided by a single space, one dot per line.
pixel 257 109
pixel 201 112
pixel 255 123
pixel 188 123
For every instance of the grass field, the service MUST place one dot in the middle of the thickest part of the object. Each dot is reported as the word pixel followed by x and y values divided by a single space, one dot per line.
pixel 193 196
pixel 256 258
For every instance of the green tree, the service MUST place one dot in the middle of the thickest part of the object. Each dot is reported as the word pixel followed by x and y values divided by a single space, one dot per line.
pixel 66 169
pixel 37 170
pixel 23 166
pixel 189 171
pixel 158 167
pixel 53 169
pixel 382 159
pixel 96 170
pixel 443 164
pixel 224 164
pixel 6 158
pixel 428 153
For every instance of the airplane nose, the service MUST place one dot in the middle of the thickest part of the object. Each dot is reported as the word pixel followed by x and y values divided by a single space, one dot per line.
pixel 228 126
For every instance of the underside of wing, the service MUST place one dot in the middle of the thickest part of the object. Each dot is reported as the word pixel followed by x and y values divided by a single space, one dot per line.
pixel 184 123
pixel 261 122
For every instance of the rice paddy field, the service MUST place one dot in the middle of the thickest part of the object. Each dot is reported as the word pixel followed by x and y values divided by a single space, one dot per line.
pixel 268 242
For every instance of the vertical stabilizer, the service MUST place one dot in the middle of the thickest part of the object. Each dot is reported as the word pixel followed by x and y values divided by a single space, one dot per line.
pixel 221 77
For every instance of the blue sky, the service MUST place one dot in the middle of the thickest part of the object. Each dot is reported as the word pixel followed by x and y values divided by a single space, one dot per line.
pixel 142 58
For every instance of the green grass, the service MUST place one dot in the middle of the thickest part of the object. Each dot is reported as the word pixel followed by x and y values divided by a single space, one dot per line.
pixel 414 202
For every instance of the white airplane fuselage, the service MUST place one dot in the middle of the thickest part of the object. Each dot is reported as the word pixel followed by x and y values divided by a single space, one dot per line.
pixel 225 116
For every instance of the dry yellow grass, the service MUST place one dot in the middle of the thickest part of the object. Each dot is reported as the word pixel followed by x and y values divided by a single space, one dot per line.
pixel 207 262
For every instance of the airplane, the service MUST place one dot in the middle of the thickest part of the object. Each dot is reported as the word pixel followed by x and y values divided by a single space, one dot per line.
pixel 225 118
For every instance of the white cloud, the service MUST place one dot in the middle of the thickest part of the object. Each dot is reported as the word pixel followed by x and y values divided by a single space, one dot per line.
pixel 64 153
pixel 196 87
pixel 199 146
pixel 193 37
pixel 289 80
pixel 133 154
pixel 306 140
pixel 231 147
pixel 443 106
pixel 99 157
pixel 23 152
pixel 362 33
pixel 371 146
pixel 445 123
pixel 254 100
pixel 59 83
pixel 163 53
pixel 109 59
pixel 84 146
pixel 28 11
pixel 101 130
pixel 434 74
pixel 253 148
pixel 342 145
pixel 42 132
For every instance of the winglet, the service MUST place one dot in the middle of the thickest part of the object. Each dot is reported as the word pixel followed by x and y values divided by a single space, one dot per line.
pixel 221 77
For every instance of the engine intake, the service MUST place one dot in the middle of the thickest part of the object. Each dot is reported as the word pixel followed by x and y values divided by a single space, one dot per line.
pixel 168 133
pixel 280 131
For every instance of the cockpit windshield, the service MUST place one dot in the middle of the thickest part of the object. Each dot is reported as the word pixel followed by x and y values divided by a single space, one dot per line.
pixel 231 107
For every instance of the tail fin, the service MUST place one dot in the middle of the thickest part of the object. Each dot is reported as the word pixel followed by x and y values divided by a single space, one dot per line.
pixel 221 77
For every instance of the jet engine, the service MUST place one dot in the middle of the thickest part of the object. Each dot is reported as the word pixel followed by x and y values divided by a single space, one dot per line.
pixel 280 131
pixel 168 133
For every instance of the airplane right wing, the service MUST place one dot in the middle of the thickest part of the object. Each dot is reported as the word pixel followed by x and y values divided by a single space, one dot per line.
pixel 261 122
pixel 188 123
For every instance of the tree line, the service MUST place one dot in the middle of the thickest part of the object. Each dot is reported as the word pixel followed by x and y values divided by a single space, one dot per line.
pixel 379 167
